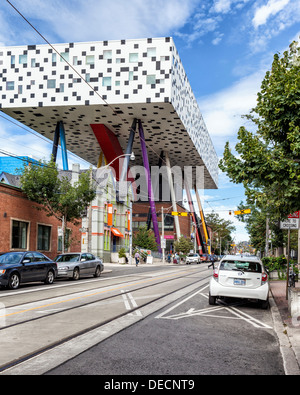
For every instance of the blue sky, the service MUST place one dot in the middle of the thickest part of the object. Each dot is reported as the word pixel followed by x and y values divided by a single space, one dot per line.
pixel 226 47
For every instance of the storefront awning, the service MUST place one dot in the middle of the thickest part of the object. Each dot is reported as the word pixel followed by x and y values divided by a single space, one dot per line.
pixel 116 232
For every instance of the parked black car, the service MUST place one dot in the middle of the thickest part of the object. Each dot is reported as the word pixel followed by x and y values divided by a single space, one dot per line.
pixel 23 267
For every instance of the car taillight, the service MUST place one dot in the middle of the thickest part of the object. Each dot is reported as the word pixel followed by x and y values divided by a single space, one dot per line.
pixel 216 275
pixel 264 278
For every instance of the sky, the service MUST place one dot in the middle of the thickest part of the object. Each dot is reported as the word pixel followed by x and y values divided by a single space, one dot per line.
pixel 226 47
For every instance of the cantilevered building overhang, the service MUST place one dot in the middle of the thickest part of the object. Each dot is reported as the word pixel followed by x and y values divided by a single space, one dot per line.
pixel 121 81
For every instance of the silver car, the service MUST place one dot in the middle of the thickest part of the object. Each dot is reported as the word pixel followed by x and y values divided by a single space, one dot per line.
pixel 76 264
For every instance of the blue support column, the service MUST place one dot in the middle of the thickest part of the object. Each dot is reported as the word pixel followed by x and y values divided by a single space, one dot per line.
pixel 55 143
pixel 63 146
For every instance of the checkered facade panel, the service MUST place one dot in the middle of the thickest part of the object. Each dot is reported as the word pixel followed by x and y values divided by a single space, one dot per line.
pixel 128 79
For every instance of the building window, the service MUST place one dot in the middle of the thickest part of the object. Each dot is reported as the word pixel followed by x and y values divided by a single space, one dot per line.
pixel 90 59
pixel 151 52
pixel 106 81
pixel 107 55
pixel 133 58
pixel 10 85
pixel 19 234
pixel 51 84
pixel 64 56
pixel 22 59
pixel 12 60
pixel 33 61
pixel 44 233
pixel 130 77
pixel 151 79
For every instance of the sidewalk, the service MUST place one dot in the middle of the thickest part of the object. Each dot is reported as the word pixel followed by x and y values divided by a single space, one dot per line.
pixel 287 328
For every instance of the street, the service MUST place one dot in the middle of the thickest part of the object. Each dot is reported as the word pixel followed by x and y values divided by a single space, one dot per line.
pixel 150 320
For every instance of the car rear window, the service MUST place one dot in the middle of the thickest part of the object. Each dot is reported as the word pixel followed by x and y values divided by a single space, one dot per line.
pixel 245 266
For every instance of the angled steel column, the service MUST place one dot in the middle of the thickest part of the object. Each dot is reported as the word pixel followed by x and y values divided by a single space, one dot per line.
pixel 174 204
pixel 128 151
pixel 204 227
pixel 195 220
pixel 63 146
pixel 150 191
pixel 55 143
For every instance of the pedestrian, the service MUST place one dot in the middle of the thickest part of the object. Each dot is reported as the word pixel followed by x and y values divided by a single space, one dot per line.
pixel 212 262
pixel 137 258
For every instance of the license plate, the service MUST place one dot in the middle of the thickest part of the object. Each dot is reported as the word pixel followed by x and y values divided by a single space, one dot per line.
pixel 238 281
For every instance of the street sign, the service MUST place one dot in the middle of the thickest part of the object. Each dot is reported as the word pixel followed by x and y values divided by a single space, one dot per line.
pixel 242 212
pixel 291 223
pixel 176 214
pixel 295 215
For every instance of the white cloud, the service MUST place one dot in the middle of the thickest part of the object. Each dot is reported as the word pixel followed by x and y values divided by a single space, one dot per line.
pixel 263 13
pixel 222 111
pixel 96 20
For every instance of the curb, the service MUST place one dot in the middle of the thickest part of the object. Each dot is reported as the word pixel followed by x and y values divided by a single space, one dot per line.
pixel 291 366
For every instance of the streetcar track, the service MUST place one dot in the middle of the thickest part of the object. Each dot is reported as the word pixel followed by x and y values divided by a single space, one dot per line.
pixel 115 288
pixel 74 292
pixel 95 326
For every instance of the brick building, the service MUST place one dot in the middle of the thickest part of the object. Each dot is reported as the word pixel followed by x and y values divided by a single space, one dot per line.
pixel 140 214
pixel 23 227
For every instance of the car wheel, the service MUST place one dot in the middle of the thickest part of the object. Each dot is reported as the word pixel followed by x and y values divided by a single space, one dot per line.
pixel 76 274
pixel 212 300
pixel 97 272
pixel 264 304
pixel 50 277
pixel 14 281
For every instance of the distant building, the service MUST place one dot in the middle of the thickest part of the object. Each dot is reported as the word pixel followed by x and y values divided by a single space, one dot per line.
pixel 14 164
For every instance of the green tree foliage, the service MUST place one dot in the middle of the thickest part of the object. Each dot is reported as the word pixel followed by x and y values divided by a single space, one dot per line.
pixel 183 245
pixel 268 160
pixel 144 238
pixel 56 195
pixel 222 230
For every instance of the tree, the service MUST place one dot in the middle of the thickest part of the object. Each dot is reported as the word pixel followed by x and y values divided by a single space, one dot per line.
pixel 56 195
pixel 144 238
pixel 222 229
pixel 268 162
pixel 183 245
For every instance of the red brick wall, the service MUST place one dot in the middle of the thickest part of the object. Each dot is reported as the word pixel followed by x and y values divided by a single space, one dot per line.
pixel 143 208
pixel 15 205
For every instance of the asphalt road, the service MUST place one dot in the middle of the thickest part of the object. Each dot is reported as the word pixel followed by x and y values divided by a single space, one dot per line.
pixel 187 337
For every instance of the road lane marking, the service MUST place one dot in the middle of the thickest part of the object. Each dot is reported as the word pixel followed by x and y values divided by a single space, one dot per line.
pixel 91 294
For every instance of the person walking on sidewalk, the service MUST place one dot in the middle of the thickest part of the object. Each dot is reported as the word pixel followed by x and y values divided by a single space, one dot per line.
pixel 137 258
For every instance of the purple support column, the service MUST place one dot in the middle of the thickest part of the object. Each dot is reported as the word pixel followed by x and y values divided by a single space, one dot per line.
pixel 150 191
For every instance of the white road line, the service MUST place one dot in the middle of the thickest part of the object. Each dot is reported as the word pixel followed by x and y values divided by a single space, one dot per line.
pixel 127 298
pixel 178 304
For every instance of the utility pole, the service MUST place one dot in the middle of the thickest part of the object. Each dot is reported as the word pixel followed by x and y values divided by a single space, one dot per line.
pixel 267 236
pixel 288 264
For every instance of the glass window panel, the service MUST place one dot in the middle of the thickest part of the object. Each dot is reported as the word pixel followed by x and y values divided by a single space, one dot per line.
pixel 106 81
pixel 22 59
pixel 151 79
pixel 64 56
pixel 12 59
pixel 151 52
pixel 133 57
pixel 44 233
pixel 51 84
pixel 19 234
pixel 10 85
pixel 90 59
pixel 107 54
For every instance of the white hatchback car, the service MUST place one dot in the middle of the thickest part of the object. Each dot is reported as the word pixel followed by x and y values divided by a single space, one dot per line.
pixel 240 277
